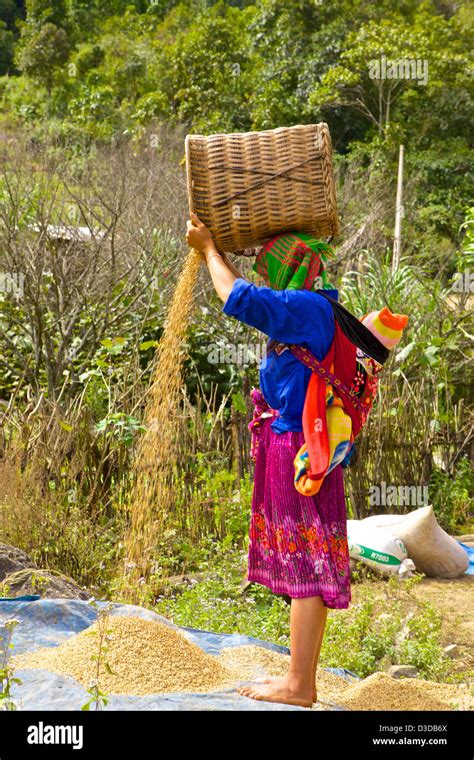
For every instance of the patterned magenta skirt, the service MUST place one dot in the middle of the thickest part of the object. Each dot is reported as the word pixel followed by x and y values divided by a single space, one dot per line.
pixel 298 544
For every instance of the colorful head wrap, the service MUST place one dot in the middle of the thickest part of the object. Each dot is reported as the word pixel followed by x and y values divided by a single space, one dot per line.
pixel 294 261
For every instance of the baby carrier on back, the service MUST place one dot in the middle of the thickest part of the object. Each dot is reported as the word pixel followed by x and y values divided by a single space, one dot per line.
pixel 334 413
pixel 340 393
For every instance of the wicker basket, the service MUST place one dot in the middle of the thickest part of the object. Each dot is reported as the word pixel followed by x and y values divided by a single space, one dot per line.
pixel 248 186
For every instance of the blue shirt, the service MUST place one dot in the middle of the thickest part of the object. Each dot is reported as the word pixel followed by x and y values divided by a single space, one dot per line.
pixel 289 316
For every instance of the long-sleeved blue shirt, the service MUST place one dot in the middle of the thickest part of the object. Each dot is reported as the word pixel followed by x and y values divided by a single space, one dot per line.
pixel 289 316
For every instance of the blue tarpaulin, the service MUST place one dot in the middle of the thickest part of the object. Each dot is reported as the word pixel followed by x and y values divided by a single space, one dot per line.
pixel 50 622
pixel 470 554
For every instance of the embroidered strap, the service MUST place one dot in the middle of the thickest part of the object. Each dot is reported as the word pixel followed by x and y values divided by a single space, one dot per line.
pixel 305 355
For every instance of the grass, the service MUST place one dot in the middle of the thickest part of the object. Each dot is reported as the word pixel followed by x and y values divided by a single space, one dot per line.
pixel 217 603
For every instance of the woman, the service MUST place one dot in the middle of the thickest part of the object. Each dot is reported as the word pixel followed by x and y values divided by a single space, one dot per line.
pixel 298 544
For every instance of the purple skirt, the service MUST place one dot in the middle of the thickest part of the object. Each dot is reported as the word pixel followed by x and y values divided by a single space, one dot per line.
pixel 298 544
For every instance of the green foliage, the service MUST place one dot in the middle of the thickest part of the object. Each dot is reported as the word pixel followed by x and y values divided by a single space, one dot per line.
pixel 443 179
pixel 421 647
pixel 81 546
pixel 215 510
pixel 367 639
pixel 382 95
pixel 121 427
pixel 201 67
pixel 7 677
pixel 43 53
pixel 227 66
pixel 98 698
pixel 212 354
pixel 218 603
pixel 40 12
pixel 452 495
pixel 467 251
pixel 230 501
pixel 435 347
pixel 7 44
pixel 10 11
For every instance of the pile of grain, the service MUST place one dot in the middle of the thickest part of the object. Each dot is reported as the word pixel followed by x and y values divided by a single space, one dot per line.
pixel 253 662
pixel 150 657
pixel 146 657
pixel 382 692
pixel 377 692
pixel 156 455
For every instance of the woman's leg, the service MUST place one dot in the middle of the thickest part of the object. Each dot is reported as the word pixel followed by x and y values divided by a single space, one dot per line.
pixel 324 615
pixel 317 652
pixel 307 622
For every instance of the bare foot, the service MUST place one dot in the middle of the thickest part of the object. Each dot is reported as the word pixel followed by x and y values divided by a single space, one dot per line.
pixel 279 680
pixel 276 690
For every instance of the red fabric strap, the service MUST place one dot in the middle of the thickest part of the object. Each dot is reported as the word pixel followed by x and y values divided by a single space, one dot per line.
pixel 342 355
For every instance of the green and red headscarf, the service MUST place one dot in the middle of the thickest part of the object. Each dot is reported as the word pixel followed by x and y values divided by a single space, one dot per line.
pixel 294 261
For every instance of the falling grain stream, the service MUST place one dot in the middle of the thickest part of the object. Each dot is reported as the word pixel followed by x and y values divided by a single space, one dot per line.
pixel 154 467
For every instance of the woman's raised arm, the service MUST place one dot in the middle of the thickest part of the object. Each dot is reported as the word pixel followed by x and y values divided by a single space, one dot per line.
pixel 198 236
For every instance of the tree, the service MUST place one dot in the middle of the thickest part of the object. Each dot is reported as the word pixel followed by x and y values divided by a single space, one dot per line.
pixel 392 66
pixel 39 12
pixel 7 43
pixel 43 53
pixel 10 11
pixel 202 67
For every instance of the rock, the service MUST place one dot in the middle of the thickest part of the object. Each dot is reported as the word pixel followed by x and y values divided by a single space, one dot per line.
pixel 46 584
pixel 12 559
pixel 451 650
pixel 403 671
